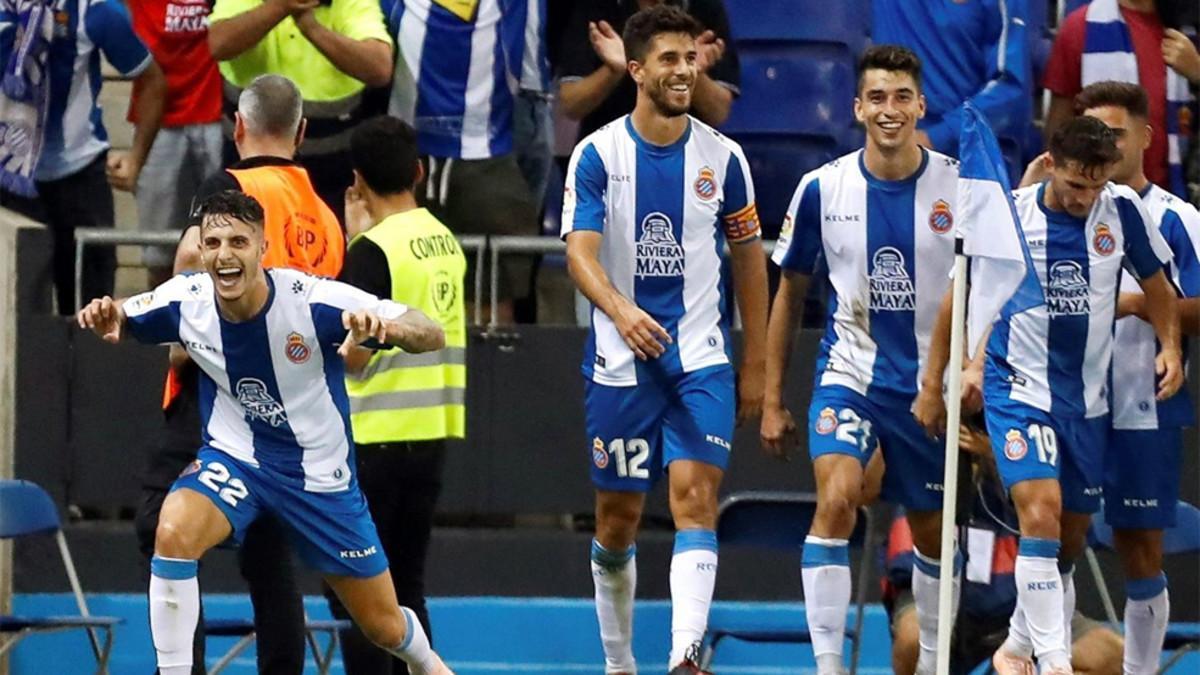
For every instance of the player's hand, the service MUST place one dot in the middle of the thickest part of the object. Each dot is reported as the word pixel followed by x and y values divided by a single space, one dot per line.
pixel 645 336
pixel 104 317
pixel 975 442
pixel 751 385
pixel 1131 304
pixel 972 389
pixel 1169 367
pixel 122 171
pixel 357 219
pixel 709 50
pixel 929 409
pixel 608 45
pixel 1037 171
pixel 1180 53
pixel 777 431
pixel 363 325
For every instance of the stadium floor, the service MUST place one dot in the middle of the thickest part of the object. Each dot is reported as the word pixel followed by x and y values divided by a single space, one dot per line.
pixel 477 635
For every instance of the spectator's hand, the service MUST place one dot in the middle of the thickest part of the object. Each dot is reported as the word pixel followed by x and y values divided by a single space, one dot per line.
pixel 645 336
pixel 1131 304
pixel 104 317
pixel 608 45
pixel 929 409
pixel 357 219
pixel 923 139
pixel 296 7
pixel 777 431
pixel 1169 367
pixel 363 325
pixel 975 442
pixel 1036 172
pixel 709 50
pixel 1180 53
pixel 122 170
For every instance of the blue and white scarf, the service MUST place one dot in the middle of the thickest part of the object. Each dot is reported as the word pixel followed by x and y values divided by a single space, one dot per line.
pixel 25 94
pixel 1108 55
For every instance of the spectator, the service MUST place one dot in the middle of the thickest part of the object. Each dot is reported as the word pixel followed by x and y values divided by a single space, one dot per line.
pixel 973 52
pixel 403 406
pixel 187 150
pixel 533 124
pixel 989 591
pixel 594 87
pixel 56 151
pixel 1127 41
pixel 331 49
pixel 453 74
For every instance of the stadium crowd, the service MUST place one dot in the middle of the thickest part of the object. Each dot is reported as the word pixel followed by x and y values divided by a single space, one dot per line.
pixel 299 104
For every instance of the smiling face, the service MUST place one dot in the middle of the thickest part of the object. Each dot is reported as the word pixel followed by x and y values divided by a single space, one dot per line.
pixel 232 251
pixel 888 104
pixel 667 75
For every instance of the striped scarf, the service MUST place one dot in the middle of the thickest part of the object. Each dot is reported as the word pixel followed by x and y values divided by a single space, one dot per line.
pixel 25 94
pixel 1108 55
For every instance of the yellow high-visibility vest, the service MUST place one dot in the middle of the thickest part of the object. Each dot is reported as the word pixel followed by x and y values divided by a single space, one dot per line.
pixel 416 397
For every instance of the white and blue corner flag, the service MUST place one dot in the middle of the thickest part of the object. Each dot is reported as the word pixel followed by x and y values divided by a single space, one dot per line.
pixel 1002 274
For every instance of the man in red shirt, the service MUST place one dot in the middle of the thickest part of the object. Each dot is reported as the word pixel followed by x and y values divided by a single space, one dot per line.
pixel 1155 47
pixel 188 147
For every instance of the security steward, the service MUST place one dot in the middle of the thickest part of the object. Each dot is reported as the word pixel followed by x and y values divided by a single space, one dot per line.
pixel 302 233
pixel 402 406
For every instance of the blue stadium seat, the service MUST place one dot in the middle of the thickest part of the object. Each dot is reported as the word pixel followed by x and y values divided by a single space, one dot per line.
pixel 845 22
pixel 777 162
pixel 793 88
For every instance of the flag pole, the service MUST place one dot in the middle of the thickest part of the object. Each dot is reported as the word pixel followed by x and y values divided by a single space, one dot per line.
pixel 950 479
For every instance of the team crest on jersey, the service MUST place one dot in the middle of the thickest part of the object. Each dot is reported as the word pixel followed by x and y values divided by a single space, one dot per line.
pixel 599 454
pixel 706 184
pixel 891 287
pixel 1015 446
pixel 296 350
pixel 1067 290
pixel 826 422
pixel 940 218
pixel 257 401
pixel 1103 240
pixel 658 252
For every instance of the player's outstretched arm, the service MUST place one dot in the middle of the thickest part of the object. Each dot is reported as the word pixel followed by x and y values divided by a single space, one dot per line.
pixel 644 336
pixel 412 331
pixel 104 317
pixel 778 429
pixel 750 284
pixel 1162 311
pixel 929 409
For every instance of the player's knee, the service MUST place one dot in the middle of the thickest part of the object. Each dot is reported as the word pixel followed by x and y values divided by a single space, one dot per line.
pixel 696 504
pixel 1041 516
pixel 617 524
pixel 835 512
pixel 172 540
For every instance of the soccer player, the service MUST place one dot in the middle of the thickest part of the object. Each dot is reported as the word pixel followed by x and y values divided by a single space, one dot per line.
pixel 1142 462
pixel 882 218
pixel 275 425
pixel 1045 373
pixel 651 200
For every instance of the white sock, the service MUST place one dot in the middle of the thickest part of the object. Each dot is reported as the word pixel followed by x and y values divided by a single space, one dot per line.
pixel 1147 610
pixel 615 578
pixel 926 576
pixel 1040 592
pixel 1068 584
pixel 415 650
pixel 174 611
pixel 693 575
pixel 1018 642
pixel 825 572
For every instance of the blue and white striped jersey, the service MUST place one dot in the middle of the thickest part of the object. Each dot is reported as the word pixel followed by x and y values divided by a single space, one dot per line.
pixel 455 73
pixel 272 389
pixel 1134 383
pixel 889 247
pixel 1055 357
pixel 665 213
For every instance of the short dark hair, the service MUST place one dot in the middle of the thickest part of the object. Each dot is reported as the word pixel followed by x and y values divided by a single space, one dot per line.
pixel 641 28
pixel 893 58
pixel 230 204
pixel 384 151
pixel 1125 95
pixel 1087 141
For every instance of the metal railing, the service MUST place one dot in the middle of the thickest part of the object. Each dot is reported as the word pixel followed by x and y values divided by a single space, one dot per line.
pixel 477 244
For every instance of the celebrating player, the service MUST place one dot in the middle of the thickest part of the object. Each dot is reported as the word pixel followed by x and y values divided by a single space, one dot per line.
pixel 651 199
pixel 275 425
pixel 1045 373
pixel 882 218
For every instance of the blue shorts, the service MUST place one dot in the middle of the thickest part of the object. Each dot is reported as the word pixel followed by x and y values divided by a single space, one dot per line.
pixel 637 431
pixel 1141 478
pixel 844 422
pixel 1030 444
pixel 332 531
